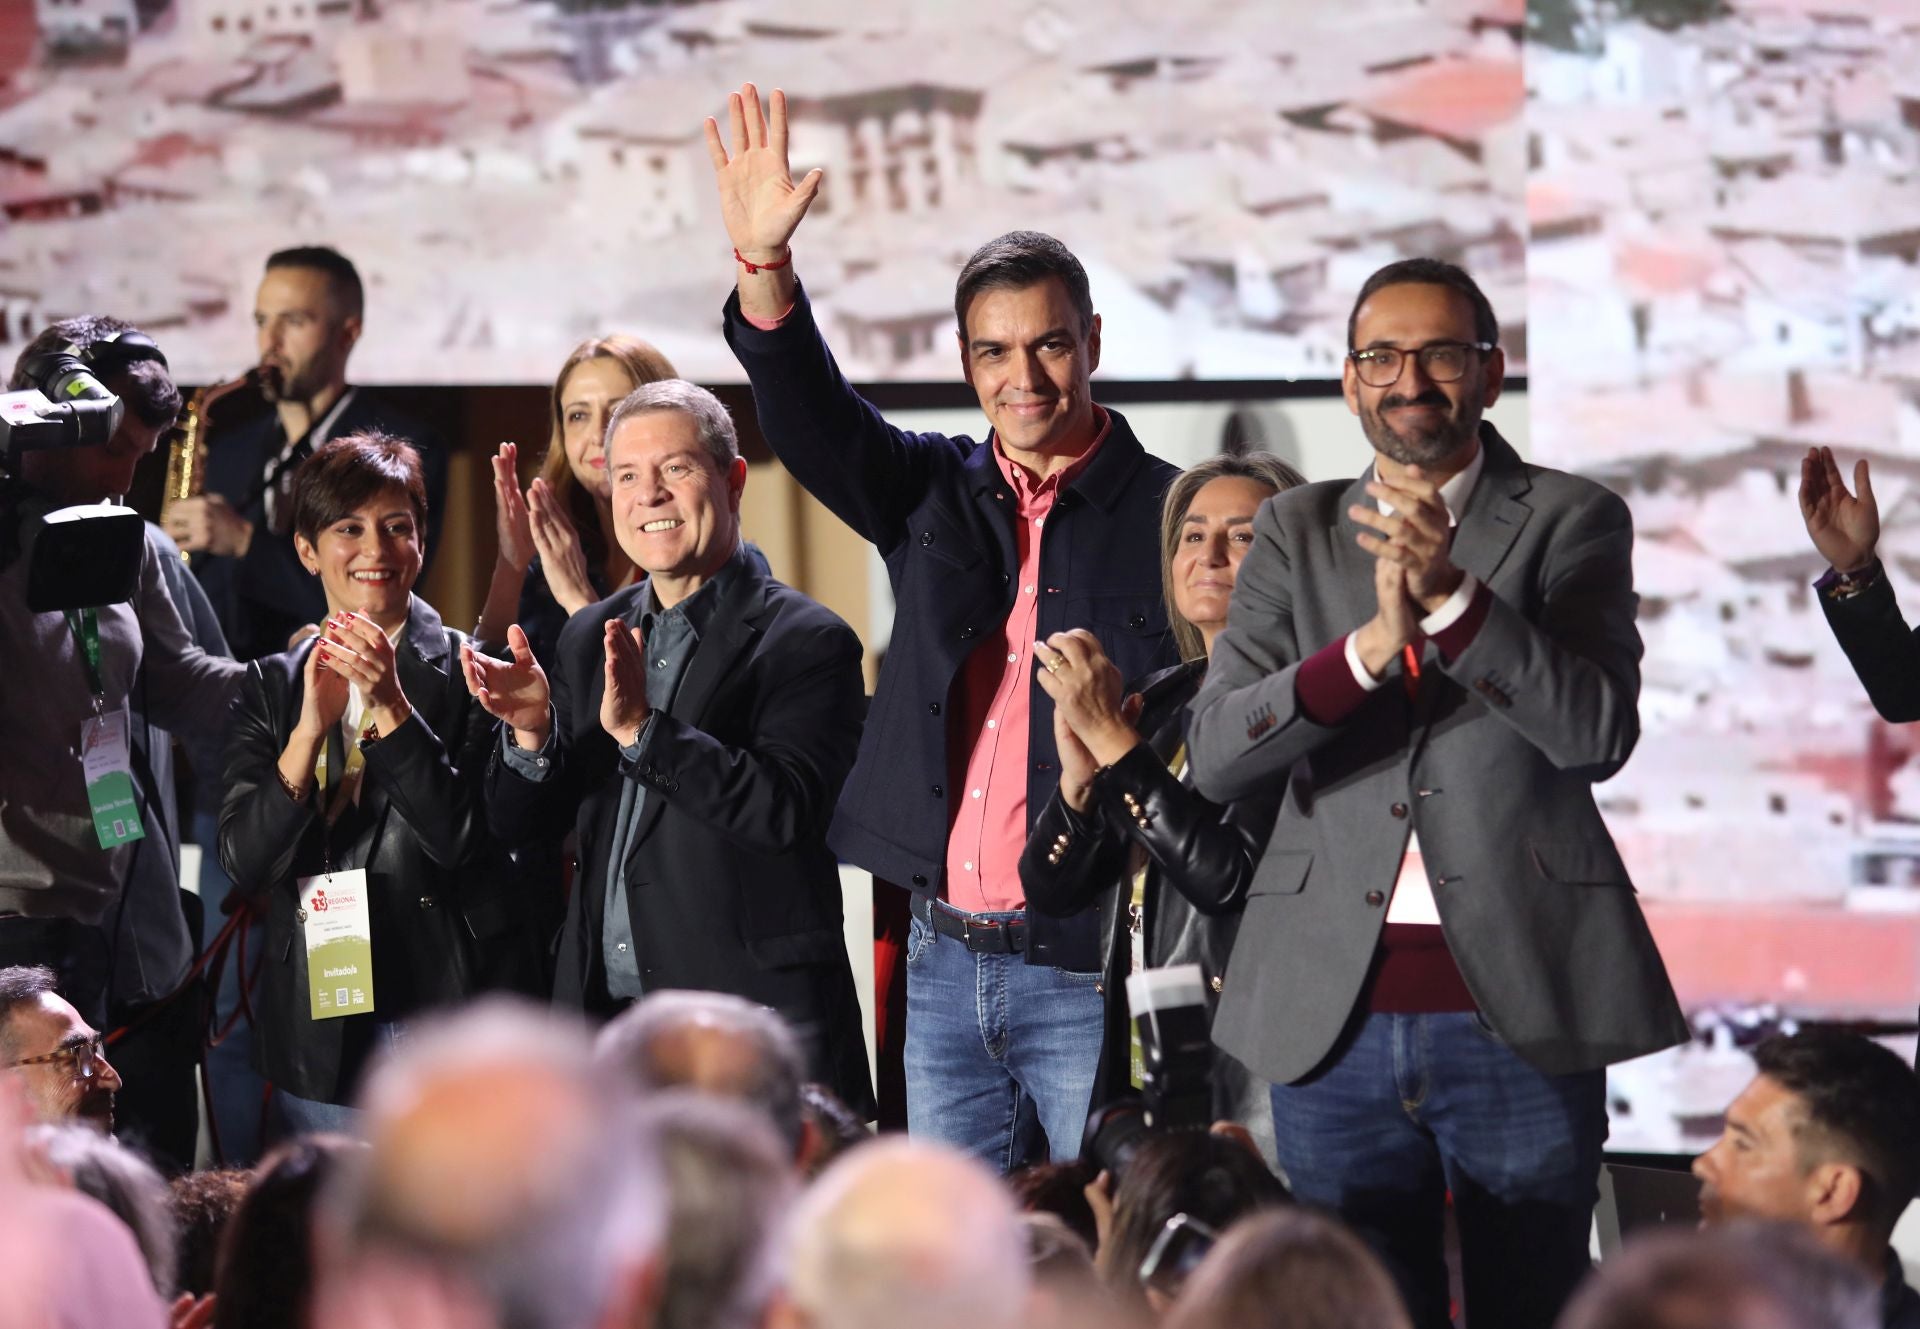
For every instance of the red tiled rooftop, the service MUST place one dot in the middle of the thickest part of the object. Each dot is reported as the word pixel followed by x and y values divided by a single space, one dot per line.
pixel 1455 99
pixel 1663 269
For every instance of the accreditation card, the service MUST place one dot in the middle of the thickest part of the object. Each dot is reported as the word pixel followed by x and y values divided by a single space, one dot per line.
pixel 339 927
pixel 109 776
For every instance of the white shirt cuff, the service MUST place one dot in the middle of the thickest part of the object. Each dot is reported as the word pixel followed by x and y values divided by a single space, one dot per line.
pixel 1447 614
pixel 1360 674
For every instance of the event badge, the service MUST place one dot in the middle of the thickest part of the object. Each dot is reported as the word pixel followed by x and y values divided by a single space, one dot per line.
pixel 109 776
pixel 333 909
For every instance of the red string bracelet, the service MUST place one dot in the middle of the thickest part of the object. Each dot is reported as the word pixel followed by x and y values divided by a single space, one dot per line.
pixel 786 262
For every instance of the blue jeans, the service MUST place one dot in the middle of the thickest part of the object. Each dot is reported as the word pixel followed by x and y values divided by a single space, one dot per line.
pixel 294 1115
pixel 1411 1106
pixel 1001 1055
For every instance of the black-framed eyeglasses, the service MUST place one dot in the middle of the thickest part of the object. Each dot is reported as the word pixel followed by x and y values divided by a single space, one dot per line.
pixel 81 1059
pixel 1441 361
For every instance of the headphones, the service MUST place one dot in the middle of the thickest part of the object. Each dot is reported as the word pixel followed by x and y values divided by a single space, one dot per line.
pixel 118 351
pixel 110 355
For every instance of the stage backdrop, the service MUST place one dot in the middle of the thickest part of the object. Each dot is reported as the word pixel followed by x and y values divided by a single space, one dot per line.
pixel 514 175
pixel 1699 221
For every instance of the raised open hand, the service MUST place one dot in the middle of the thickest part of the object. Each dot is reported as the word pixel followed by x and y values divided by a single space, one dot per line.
pixel 514 691
pixel 623 704
pixel 1418 536
pixel 1845 526
pixel 324 694
pixel 562 560
pixel 759 201
pixel 511 525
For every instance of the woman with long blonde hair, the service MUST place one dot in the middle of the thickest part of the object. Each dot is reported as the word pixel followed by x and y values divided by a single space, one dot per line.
pixel 557 551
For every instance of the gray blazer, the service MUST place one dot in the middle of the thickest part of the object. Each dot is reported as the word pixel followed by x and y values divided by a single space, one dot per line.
pixel 1493 765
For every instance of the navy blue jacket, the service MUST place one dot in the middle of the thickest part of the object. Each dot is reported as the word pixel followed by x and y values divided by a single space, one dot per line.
pixel 941 515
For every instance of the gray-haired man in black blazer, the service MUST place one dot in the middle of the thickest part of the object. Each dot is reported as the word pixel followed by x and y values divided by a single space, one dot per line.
pixel 1441 950
pixel 697 727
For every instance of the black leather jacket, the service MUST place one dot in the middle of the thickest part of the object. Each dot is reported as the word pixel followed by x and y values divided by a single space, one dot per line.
pixel 448 917
pixel 1204 852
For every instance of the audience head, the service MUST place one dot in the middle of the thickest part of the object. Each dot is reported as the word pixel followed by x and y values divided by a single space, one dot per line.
pixel 1744 1276
pixel 202 1204
pixel 597 376
pixel 729 1182
pixel 900 1232
pixel 137 376
pixel 1209 1178
pixel 68 1262
pixel 1289 1268
pixel 1029 341
pixel 306 318
pixel 133 1191
pixel 1206 528
pixel 1059 1189
pixel 57 1055
pixel 829 1128
pixel 1825 1136
pixel 1421 380
pixel 1067 1291
pixel 501 1166
pixel 674 462
pixel 715 1042
pixel 359 523
pixel 264 1271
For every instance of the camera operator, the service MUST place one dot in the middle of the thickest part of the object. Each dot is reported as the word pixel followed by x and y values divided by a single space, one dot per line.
pixel 91 895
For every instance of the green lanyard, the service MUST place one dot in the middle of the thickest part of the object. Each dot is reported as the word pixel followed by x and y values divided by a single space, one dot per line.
pixel 85 627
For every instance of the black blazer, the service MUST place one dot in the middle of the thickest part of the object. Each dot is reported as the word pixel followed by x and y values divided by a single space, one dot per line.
pixel 939 512
pixel 266 596
pixel 445 917
pixel 731 886
pixel 1200 858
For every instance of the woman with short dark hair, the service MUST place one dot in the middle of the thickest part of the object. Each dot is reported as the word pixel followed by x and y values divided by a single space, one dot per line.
pixel 360 751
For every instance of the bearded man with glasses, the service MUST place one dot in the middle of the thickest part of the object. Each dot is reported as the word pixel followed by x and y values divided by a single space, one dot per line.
pixel 44 1040
pixel 1441 951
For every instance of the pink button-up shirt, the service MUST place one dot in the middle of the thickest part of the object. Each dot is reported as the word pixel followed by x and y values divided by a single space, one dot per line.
pixel 987 735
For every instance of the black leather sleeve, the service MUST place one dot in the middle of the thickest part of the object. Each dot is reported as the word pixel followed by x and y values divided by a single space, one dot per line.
pixel 1202 850
pixel 1069 859
pixel 437 789
pixel 261 829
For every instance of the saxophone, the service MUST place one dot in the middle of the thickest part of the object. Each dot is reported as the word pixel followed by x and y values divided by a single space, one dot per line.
pixel 187 451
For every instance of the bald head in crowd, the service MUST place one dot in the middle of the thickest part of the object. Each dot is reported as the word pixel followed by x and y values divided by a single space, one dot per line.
pixel 901 1232
pixel 503 1170
pixel 717 1043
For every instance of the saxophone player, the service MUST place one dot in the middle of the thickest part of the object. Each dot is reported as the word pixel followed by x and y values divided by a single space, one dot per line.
pixel 307 318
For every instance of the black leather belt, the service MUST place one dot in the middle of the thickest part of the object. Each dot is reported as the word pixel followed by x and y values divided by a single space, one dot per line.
pixel 985 936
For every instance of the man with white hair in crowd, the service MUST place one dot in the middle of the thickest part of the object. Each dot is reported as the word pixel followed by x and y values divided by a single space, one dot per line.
pixel 906 1233
pixel 730 1182
pixel 507 1184
pixel 716 1043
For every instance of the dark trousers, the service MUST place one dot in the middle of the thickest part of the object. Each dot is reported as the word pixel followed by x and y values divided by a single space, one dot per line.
pixel 1410 1107
pixel 157 1109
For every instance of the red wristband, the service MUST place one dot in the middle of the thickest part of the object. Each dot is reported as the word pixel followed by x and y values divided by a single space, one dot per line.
pixel 786 262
